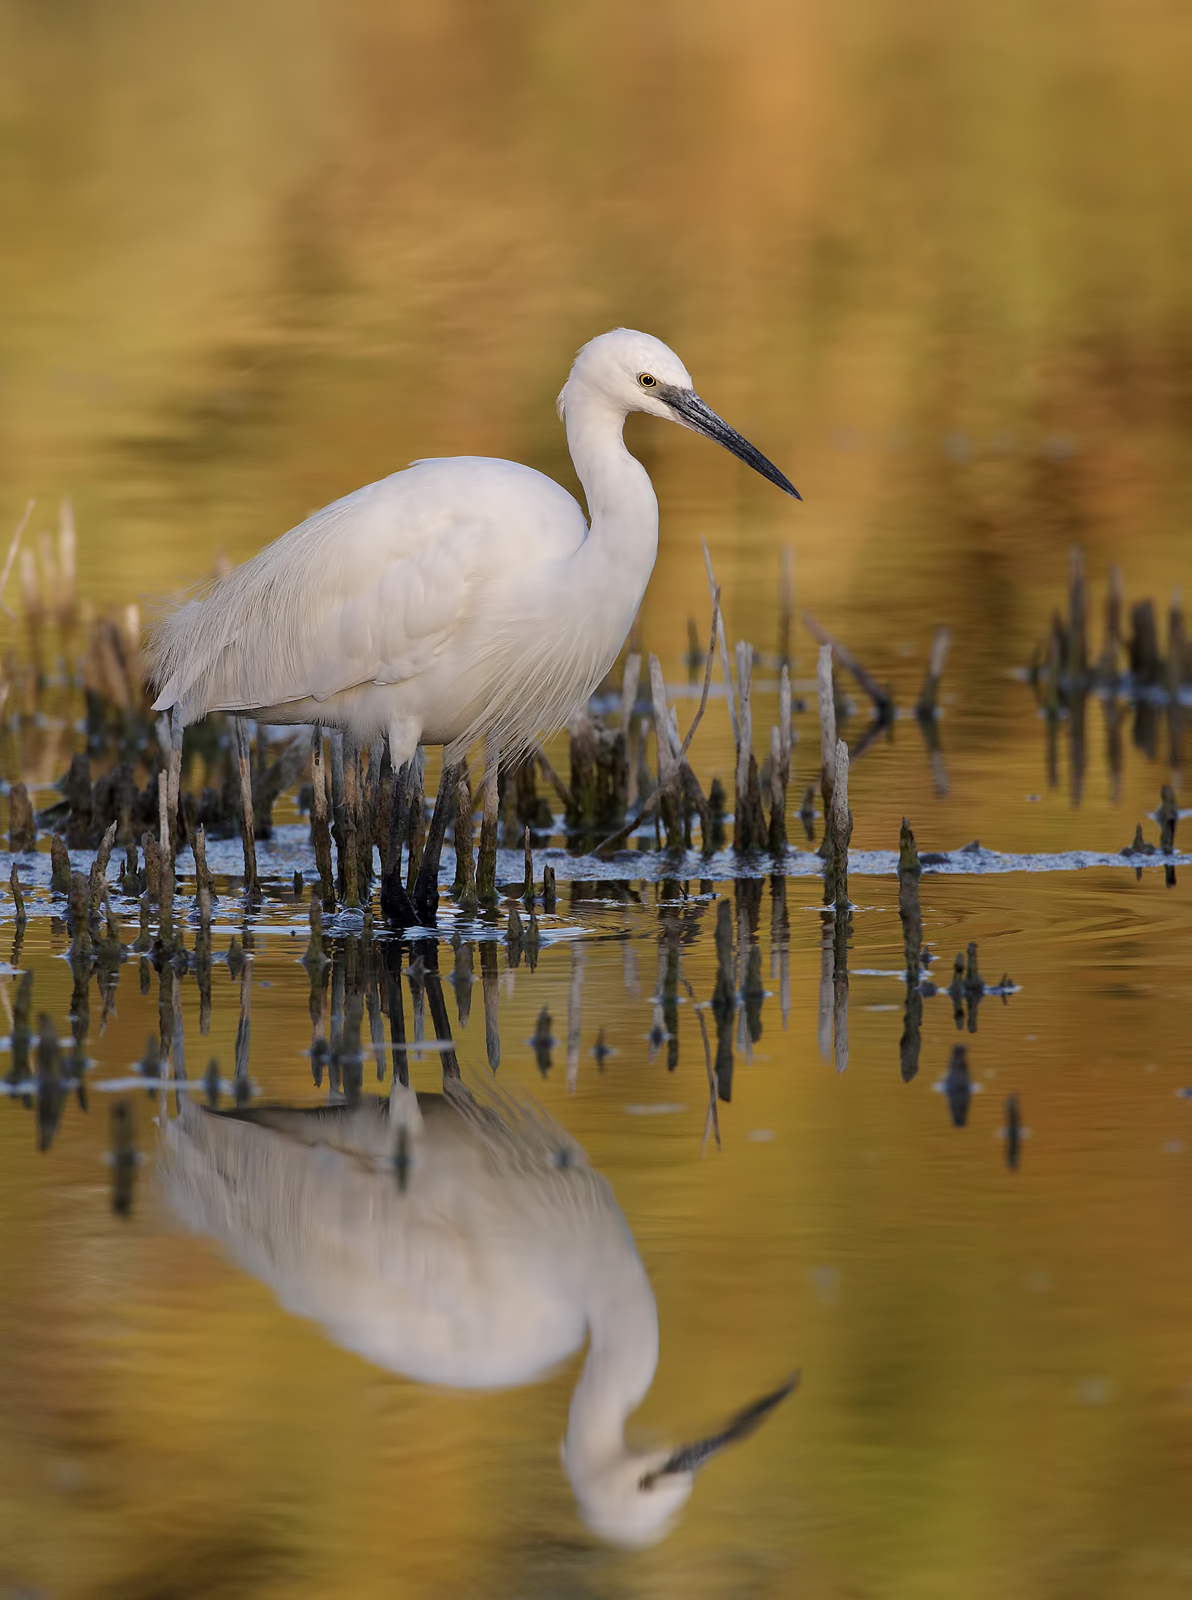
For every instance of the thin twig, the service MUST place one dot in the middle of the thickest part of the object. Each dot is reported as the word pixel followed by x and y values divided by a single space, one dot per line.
pixel 712 1121
pixel 872 733
pixel 11 557
pixel 879 696
pixel 552 777
pixel 634 823
pixel 723 644
pixel 703 699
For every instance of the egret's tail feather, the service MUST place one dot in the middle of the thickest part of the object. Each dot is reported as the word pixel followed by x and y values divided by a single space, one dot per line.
pixel 182 657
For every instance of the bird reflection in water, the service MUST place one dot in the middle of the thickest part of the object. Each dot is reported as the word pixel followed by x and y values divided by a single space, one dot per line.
pixel 459 1239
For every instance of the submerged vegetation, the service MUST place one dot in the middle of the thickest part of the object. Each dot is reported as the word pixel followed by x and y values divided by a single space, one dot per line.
pixel 165 796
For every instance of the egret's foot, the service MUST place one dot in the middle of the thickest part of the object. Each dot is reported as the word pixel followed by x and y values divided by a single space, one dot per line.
pixel 426 904
pixel 396 906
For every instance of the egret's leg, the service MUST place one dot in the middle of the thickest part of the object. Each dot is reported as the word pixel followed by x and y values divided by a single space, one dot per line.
pixel 426 889
pixel 396 905
pixel 438 1007
pixel 486 865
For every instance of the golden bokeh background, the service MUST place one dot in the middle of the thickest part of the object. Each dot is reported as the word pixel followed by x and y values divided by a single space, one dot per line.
pixel 933 260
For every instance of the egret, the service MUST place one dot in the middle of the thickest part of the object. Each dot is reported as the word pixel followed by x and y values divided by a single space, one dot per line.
pixel 462 598
pixel 498 1251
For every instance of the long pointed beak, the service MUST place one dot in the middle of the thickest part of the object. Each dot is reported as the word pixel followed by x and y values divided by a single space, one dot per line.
pixel 691 1457
pixel 692 412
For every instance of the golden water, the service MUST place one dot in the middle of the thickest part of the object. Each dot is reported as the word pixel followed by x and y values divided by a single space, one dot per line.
pixel 931 260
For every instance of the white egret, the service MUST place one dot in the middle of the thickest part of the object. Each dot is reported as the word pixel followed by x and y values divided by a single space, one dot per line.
pixel 480 1260
pixel 461 598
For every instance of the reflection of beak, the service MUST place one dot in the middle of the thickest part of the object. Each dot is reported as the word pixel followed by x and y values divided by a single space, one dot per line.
pixel 691 411
pixel 691 1457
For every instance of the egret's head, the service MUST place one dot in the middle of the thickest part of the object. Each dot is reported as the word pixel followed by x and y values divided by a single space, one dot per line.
pixel 633 1502
pixel 633 371
pixel 633 1498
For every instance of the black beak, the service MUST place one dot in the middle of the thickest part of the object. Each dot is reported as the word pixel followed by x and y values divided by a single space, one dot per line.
pixel 690 1457
pixel 691 411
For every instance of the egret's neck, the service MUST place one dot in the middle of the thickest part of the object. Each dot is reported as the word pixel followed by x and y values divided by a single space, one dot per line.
pixel 621 504
pixel 622 1357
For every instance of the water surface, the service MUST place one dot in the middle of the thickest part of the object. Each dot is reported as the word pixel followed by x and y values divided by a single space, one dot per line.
pixel 933 265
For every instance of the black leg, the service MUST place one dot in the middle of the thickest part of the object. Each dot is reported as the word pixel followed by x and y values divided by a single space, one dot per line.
pixel 438 1008
pixel 426 889
pixel 396 906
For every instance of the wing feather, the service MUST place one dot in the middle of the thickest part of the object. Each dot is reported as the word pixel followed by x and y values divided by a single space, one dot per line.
pixel 369 590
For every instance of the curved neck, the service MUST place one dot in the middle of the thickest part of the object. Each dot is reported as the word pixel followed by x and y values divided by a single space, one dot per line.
pixel 622 507
pixel 622 1359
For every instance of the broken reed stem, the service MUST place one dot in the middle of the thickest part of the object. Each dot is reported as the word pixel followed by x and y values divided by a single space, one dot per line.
pixel 528 896
pixel 165 902
pixel 98 877
pixel 910 913
pixel 152 854
pixel 839 831
pixel 486 866
pixel 777 795
pixel 14 883
pixel 666 751
pixel 351 861
pixel 678 780
pixel 780 766
pixel 668 766
pixel 784 724
pixel 630 679
pixel 338 825
pixel 840 827
pixel 929 694
pixel 1168 815
pixel 252 886
pixel 244 1028
pixel 749 827
pixel 463 890
pixel 745 740
pixel 840 991
pixel 22 825
pixel 204 882
pixel 827 720
pixel 319 826
pixel 174 785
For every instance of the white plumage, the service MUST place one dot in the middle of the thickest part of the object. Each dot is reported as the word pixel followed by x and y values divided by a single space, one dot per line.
pixel 501 1253
pixel 461 598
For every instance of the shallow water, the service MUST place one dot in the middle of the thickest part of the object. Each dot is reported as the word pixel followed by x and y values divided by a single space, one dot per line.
pixel 931 264
pixel 995 1377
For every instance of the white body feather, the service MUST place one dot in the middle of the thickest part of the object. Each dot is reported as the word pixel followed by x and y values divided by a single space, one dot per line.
pixel 504 1251
pixel 484 1272
pixel 461 598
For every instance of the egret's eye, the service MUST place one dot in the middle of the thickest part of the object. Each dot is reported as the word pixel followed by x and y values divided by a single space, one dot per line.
pixel 646 380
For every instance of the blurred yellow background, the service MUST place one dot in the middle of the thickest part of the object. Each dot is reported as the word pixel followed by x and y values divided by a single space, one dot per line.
pixel 931 257
pixel 933 260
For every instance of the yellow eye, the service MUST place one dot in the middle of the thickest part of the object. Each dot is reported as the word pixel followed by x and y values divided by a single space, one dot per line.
pixel 646 380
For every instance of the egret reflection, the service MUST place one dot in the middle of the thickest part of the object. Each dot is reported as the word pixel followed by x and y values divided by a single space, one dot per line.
pixel 461 1239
